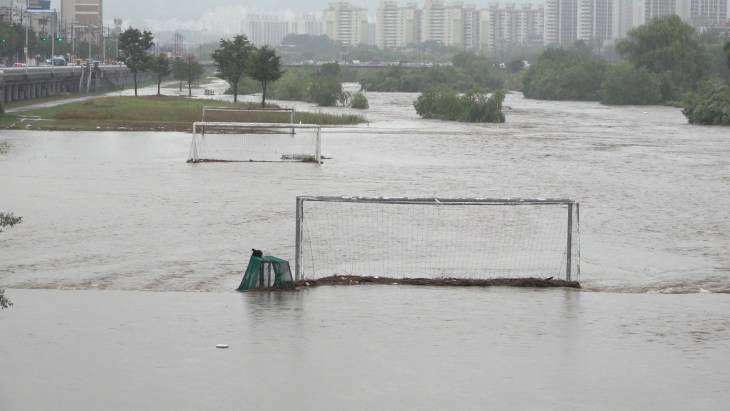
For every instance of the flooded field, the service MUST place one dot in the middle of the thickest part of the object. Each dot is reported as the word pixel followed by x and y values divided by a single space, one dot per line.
pixel 110 216
pixel 124 210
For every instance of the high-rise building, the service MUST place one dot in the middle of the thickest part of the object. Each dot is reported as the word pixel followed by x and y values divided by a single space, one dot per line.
pixel 561 22
pixel 12 11
pixel 627 14
pixel 409 25
pixel 85 13
pixel 659 8
pixel 708 12
pixel 387 24
pixel 501 28
pixel 346 24
pixel 595 20
pixel 265 30
pixel 471 28
pixel 433 21
pixel 308 24
pixel 454 25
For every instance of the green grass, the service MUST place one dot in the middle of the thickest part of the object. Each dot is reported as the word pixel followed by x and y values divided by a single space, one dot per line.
pixel 151 113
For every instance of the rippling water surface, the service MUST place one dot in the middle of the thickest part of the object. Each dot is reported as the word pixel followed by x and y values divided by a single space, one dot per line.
pixel 110 216
pixel 124 210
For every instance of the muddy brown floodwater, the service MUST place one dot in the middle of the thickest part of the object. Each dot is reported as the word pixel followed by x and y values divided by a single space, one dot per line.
pixel 110 217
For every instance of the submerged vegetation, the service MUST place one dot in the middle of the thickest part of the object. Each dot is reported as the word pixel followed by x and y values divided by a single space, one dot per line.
pixel 710 106
pixel 151 113
pixel 7 220
pixel 664 61
pixel 473 107
pixel 467 72
pixel 319 85
pixel 360 101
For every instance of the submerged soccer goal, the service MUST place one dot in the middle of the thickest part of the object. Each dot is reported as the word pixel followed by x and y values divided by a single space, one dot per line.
pixel 437 238
pixel 229 142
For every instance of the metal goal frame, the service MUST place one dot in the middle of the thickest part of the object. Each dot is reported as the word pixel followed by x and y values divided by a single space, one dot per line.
pixel 291 112
pixel 572 205
pixel 202 126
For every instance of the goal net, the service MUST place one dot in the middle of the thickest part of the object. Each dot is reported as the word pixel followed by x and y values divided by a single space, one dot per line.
pixel 255 142
pixel 437 238
pixel 248 115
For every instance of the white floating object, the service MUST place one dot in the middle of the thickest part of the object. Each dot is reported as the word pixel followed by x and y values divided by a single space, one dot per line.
pixel 222 346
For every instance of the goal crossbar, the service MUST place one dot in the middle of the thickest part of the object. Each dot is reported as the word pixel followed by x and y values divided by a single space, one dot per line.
pixel 291 112
pixel 202 126
pixel 573 218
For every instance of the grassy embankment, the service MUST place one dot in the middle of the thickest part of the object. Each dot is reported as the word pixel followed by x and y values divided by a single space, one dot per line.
pixel 150 114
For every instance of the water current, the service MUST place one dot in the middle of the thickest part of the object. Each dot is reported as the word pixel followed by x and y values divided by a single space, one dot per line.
pixel 121 210
pixel 116 222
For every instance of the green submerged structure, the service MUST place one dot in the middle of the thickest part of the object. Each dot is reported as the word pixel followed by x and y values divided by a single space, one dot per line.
pixel 266 273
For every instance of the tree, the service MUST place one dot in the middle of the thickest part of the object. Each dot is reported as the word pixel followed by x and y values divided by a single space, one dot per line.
pixel 727 51
pixel 194 71
pixel 265 68
pixel 626 84
pixel 232 58
pixel 711 106
pixel 179 71
pixel 669 48
pixel 7 220
pixel 565 75
pixel 133 46
pixel 161 67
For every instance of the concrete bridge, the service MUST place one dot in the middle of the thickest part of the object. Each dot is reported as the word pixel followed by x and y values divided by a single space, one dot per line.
pixel 19 84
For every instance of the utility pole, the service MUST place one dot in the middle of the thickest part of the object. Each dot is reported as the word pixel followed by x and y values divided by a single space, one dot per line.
pixel 27 31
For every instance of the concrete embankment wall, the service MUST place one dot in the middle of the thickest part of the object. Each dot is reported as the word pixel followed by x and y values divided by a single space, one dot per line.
pixel 19 84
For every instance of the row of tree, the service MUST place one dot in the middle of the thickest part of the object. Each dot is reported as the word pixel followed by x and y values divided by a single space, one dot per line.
pixel 237 58
pixel 663 61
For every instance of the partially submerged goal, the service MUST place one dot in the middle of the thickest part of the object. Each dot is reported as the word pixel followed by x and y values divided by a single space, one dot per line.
pixel 437 238
pixel 255 142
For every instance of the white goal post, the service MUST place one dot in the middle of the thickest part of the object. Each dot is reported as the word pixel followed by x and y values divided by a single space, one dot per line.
pixel 473 238
pixel 207 109
pixel 309 151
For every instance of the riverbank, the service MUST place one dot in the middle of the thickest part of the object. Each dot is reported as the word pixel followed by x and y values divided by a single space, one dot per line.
pixel 150 113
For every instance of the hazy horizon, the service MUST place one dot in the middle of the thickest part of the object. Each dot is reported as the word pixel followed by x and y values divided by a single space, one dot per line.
pixel 223 15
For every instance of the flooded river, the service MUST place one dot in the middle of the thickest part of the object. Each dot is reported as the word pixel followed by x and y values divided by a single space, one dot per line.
pixel 109 213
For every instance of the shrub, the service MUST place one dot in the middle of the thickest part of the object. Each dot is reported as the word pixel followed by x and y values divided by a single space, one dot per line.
pixel 360 101
pixel 565 75
pixel 626 84
pixel 325 92
pixel 472 107
pixel 711 106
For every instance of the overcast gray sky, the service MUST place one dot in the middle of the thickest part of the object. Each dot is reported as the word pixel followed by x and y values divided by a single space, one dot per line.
pixel 222 15
pixel 185 9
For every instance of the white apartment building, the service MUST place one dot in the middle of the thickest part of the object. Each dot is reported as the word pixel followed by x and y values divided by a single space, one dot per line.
pixel 388 19
pixel 709 12
pixel 12 11
pixel 87 13
pixel 410 20
pixel 433 21
pixel 561 22
pixel 398 26
pixel 500 28
pixel 454 25
pixel 595 20
pixel 308 24
pixel 346 24
pixel 471 28
pixel 265 30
